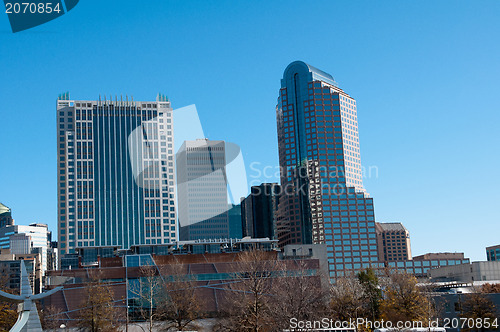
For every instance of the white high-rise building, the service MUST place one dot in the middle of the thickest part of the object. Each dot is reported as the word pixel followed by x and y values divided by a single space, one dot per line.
pixel 21 239
pixel 202 190
pixel 116 173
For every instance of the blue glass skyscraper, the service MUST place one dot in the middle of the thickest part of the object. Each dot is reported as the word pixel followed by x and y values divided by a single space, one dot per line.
pixel 116 173
pixel 322 197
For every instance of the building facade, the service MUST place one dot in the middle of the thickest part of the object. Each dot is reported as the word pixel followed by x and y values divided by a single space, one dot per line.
pixel 323 199
pixel 116 173
pixel 234 217
pixel 393 242
pixel 259 211
pixel 5 216
pixel 52 258
pixel 451 302
pixel 213 267
pixel 25 240
pixel 20 243
pixel 493 253
pixel 10 266
pixel 467 272
pixel 202 190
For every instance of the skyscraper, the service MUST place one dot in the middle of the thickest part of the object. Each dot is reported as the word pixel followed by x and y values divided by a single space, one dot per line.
pixel 116 173
pixel 202 190
pixel 323 199
pixel 258 211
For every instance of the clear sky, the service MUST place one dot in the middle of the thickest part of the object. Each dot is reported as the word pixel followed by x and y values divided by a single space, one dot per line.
pixel 425 75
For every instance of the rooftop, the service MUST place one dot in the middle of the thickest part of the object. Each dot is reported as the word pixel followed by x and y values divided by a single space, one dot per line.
pixel 315 73
pixel 4 209
pixel 391 226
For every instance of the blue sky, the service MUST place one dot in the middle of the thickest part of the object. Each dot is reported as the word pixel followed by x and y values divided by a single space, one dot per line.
pixel 424 74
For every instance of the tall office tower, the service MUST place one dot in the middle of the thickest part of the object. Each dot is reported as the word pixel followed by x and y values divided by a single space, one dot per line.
pixel 323 200
pixel 393 242
pixel 5 216
pixel 258 211
pixel 116 173
pixel 202 190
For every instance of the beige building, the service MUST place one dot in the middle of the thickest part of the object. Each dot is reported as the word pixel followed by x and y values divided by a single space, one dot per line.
pixel 393 242
pixel 469 272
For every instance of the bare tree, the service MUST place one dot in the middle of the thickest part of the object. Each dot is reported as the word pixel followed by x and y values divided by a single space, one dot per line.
pixel 347 299
pixel 435 309
pixel 372 295
pixel 179 306
pixel 479 307
pixel 299 295
pixel 247 305
pixel 147 291
pixel 98 312
pixel 51 317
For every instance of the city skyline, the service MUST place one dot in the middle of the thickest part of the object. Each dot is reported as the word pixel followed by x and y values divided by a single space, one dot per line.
pixel 412 88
